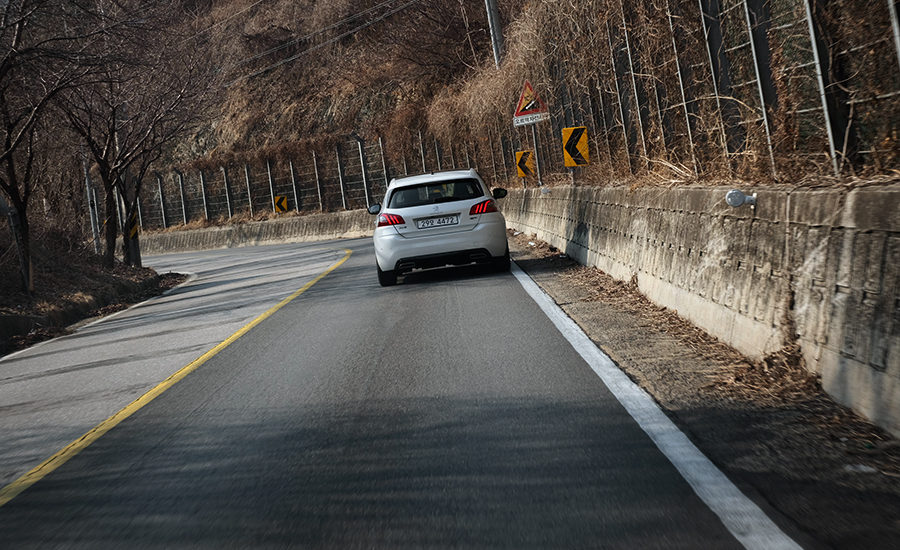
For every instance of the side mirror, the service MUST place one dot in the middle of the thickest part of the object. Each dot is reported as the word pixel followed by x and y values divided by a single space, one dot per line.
pixel 499 193
pixel 374 209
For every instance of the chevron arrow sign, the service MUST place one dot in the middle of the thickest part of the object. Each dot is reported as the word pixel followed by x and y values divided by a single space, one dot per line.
pixel 575 146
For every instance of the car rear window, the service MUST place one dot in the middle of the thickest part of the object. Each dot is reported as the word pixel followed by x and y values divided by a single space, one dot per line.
pixel 431 193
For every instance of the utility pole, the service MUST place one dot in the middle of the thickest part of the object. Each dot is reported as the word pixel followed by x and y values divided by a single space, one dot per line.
pixel 493 15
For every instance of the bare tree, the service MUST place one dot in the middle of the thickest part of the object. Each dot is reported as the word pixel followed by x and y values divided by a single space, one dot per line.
pixel 152 90
pixel 44 48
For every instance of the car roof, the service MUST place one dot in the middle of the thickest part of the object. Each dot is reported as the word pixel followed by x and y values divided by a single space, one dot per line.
pixel 433 177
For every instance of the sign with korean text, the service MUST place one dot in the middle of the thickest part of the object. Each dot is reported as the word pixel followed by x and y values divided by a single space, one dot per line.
pixel 530 109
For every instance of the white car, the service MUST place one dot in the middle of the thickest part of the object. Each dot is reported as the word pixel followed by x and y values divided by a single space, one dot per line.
pixel 435 220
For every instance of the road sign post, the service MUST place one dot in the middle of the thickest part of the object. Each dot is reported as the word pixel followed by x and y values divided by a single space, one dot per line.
pixel 529 111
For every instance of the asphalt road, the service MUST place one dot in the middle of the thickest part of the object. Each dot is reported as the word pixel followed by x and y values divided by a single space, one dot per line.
pixel 447 412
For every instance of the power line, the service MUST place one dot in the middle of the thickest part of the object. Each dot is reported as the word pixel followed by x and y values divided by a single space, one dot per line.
pixel 229 18
pixel 320 46
pixel 308 36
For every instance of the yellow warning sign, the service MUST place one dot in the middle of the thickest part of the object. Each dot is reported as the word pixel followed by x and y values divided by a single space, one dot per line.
pixel 524 163
pixel 530 109
pixel 575 146
pixel 281 203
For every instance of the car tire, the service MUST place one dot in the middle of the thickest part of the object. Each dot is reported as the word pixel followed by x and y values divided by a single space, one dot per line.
pixel 502 263
pixel 386 278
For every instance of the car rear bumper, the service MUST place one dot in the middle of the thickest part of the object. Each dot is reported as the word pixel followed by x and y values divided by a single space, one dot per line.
pixel 481 245
pixel 462 257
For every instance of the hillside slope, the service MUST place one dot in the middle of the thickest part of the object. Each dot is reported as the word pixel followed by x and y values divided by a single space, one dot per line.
pixel 301 70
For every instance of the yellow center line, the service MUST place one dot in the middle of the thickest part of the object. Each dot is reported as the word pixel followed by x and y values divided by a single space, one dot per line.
pixel 16 487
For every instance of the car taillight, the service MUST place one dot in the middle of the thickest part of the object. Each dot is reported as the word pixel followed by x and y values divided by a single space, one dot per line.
pixel 483 208
pixel 390 219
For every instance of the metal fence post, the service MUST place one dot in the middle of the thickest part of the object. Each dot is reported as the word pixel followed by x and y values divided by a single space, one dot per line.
pixel 612 59
pixel 384 164
pixel 437 153
pixel 895 26
pixel 120 213
pixel 162 201
pixel 184 214
pixel 637 101
pixel 715 83
pixel 271 184
pixel 593 115
pixel 227 192
pixel 340 167
pixel 203 192
pixel 502 155
pixel 362 166
pixel 422 152
pixel 493 158
pixel 249 191
pixel 294 186
pixel 318 181
pixel 684 105
pixel 821 79
pixel 759 85
pixel 92 206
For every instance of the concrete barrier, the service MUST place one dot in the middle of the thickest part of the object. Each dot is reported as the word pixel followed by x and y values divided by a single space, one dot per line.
pixel 818 266
pixel 315 227
pixel 357 223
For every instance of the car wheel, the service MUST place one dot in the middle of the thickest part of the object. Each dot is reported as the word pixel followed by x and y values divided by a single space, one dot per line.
pixel 386 278
pixel 502 263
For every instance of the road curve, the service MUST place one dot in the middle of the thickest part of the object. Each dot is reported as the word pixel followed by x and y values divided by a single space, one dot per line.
pixel 446 412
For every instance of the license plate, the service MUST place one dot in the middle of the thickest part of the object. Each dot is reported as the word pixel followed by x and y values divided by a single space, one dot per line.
pixel 437 222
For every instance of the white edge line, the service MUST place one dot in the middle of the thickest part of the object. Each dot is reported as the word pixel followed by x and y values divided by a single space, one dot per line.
pixel 741 516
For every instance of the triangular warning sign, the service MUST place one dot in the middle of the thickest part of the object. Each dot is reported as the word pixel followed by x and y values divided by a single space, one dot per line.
pixel 529 102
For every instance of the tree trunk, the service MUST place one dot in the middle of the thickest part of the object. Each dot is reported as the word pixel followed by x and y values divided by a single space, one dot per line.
pixel 112 230
pixel 130 242
pixel 27 268
pixel 18 225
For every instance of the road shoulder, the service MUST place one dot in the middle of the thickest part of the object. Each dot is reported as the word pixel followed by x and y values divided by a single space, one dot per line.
pixel 766 425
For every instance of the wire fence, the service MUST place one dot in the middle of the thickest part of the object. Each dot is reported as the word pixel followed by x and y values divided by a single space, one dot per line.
pixel 770 90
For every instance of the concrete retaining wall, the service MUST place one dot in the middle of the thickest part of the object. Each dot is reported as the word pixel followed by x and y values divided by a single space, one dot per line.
pixel 818 265
pixel 316 227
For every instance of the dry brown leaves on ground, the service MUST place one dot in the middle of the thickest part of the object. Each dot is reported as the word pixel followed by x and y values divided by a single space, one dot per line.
pixel 779 376
pixel 166 282
pixel 779 382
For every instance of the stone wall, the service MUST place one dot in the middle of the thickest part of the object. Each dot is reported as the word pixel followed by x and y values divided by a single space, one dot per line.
pixel 821 266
